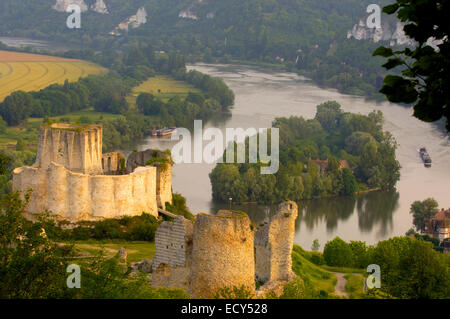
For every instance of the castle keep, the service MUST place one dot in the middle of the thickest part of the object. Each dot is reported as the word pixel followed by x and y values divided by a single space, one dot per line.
pixel 72 179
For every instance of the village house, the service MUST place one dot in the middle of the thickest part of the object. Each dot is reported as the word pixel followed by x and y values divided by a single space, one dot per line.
pixel 438 226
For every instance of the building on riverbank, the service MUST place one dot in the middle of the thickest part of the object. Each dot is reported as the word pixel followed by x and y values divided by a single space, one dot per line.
pixel 438 226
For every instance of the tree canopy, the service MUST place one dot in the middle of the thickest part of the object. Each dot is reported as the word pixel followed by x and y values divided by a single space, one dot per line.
pixel 425 70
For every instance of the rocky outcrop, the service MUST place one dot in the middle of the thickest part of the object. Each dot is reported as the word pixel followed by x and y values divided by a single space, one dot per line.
pixel 122 254
pixel 133 22
pixel 100 7
pixel 61 5
pixel 392 32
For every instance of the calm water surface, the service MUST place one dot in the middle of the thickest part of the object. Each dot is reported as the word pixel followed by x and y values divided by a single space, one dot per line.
pixel 262 95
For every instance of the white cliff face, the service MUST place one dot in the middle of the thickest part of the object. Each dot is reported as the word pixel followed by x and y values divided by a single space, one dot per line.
pixel 394 34
pixel 61 5
pixel 100 7
pixel 134 21
pixel 189 14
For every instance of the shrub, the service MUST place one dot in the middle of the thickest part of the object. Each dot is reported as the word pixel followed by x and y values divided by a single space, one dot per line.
pixel 241 292
pixel 300 289
pixel 142 231
pixel 317 258
pixel 338 253
pixel 108 229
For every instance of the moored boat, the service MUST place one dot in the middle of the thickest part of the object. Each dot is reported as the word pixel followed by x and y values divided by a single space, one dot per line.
pixel 164 131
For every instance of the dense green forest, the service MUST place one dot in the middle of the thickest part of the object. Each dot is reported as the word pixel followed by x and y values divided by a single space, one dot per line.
pixel 336 153
pixel 308 36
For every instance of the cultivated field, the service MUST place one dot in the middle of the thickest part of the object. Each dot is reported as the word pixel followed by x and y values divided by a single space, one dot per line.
pixel 32 72
pixel 163 87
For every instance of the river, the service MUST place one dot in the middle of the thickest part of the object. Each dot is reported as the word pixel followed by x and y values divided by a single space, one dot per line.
pixel 261 96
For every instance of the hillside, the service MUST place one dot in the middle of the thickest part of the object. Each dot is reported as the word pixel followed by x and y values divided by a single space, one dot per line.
pixel 309 36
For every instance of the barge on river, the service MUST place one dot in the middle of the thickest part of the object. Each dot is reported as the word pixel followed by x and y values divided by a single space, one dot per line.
pixel 425 157
pixel 164 131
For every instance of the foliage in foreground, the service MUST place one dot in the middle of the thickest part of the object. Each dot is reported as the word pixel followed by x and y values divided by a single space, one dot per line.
pixel 424 79
pixel 32 266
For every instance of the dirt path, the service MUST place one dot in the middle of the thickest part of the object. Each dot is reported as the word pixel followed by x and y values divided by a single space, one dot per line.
pixel 339 289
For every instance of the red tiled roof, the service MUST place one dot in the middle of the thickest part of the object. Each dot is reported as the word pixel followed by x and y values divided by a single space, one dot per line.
pixel 442 215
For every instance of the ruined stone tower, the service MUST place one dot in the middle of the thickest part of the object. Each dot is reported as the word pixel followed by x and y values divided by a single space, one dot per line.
pixel 273 245
pixel 76 147
pixel 68 177
pixel 223 253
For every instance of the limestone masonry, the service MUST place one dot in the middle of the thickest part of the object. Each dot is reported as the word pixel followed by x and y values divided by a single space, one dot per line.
pixel 72 179
pixel 273 256
pixel 225 251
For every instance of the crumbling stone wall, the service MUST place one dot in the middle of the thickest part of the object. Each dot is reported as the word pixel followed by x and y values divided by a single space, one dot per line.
pixel 273 245
pixel 163 173
pixel 112 163
pixel 173 243
pixel 67 177
pixel 76 196
pixel 223 253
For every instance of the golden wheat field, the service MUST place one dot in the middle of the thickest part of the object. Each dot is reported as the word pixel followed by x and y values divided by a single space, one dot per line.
pixel 32 72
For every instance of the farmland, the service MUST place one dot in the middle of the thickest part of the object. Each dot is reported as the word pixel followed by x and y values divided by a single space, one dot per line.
pixel 163 87
pixel 32 72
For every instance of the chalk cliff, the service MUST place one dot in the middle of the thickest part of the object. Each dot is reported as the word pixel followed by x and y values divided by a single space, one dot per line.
pixel 61 5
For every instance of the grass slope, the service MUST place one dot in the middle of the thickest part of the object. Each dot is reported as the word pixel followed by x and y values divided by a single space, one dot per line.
pixel 320 278
pixel 136 250
pixel 163 87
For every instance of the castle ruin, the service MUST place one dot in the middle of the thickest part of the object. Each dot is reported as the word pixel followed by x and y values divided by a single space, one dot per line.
pixel 225 250
pixel 75 181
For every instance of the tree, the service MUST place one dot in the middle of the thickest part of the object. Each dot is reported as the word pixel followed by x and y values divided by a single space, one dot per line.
pixel 424 79
pixel 16 107
pixel 411 268
pixel 315 245
pixel 422 211
pixel 3 125
pixel 31 266
pixel 328 114
pixel 148 104
pixel 349 182
pixel 338 253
